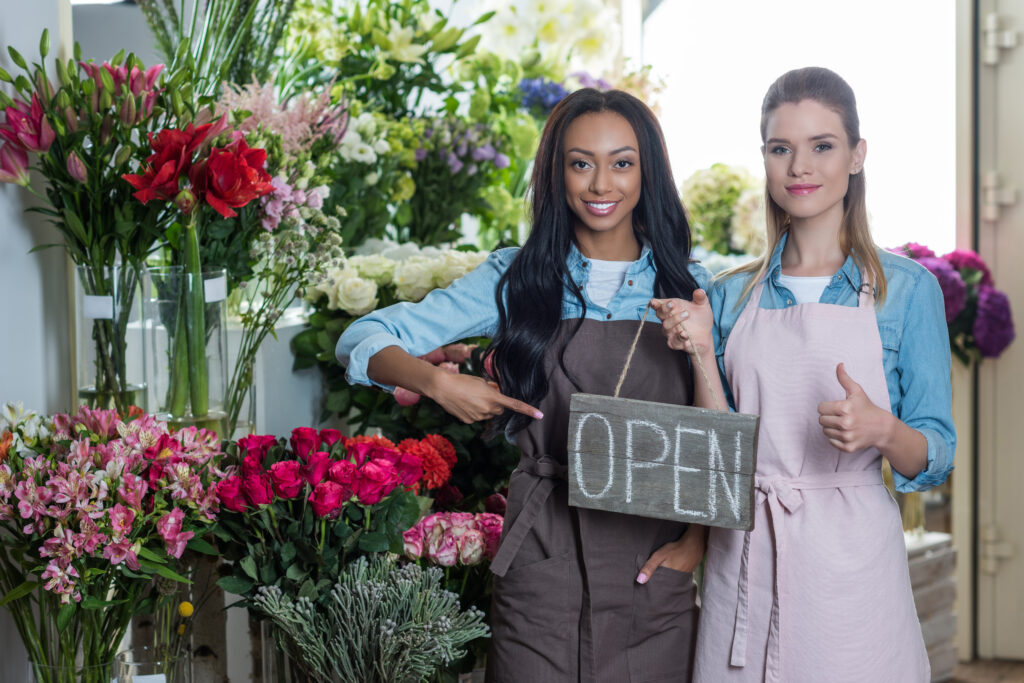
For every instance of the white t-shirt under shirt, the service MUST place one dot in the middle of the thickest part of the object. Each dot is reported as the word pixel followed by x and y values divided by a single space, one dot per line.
pixel 807 290
pixel 606 279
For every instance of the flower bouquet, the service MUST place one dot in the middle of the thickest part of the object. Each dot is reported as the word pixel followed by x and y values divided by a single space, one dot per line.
pixel 93 507
pixel 722 203
pixel 978 315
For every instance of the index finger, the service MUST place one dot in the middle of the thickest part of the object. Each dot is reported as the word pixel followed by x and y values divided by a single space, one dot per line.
pixel 829 408
pixel 521 407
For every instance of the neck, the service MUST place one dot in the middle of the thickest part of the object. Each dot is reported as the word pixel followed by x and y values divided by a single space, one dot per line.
pixel 608 246
pixel 812 248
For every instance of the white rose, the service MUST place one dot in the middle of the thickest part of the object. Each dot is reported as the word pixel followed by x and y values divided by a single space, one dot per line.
pixel 449 267
pixel 401 252
pixel 374 246
pixel 413 278
pixel 355 295
pixel 374 267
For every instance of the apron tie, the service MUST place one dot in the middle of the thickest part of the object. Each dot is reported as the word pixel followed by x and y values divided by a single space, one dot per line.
pixel 783 496
pixel 548 473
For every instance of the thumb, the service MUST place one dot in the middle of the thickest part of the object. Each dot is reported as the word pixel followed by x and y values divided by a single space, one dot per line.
pixel 847 382
pixel 653 562
pixel 700 297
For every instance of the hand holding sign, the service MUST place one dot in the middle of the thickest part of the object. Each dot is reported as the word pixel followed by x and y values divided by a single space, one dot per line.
pixel 472 399
pixel 853 423
pixel 686 324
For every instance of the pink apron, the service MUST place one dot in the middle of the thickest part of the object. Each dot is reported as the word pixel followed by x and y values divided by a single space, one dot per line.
pixel 819 590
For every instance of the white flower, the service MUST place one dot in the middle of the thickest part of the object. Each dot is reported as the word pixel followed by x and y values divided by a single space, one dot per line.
pixel 413 278
pixel 450 267
pixel 374 267
pixel 366 125
pixel 371 178
pixel 374 246
pixel 403 49
pixel 363 153
pixel 353 294
pixel 381 146
pixel 400 252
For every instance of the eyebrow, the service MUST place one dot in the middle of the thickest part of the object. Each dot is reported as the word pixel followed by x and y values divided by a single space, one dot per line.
pixel 823 136
pixel 588 153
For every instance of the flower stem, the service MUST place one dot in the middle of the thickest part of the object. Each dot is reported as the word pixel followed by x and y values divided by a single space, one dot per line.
pixel 195 322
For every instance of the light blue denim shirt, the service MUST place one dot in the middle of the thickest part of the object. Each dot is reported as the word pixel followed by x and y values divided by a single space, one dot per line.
pixel 915 343
pixel 467 308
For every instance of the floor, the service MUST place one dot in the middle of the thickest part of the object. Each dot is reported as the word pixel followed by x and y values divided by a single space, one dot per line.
pixel 989 671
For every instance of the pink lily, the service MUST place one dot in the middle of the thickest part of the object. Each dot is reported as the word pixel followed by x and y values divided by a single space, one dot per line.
pixel 28 126
pixel 141 81
pixel 13 165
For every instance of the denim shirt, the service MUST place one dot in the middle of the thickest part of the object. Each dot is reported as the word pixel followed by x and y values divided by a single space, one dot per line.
pixel 915 346
pixel 467 308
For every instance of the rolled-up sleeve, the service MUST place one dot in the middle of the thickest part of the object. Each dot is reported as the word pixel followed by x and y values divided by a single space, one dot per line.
pixel 464 309
pixel 926 398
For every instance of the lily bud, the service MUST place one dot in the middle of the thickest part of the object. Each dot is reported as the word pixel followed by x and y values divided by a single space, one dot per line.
pixel 105 100
pixel 105 128
pixel 123 154
pixel 186 201
pixel 128 110
pixel 71 119
pixel 76 168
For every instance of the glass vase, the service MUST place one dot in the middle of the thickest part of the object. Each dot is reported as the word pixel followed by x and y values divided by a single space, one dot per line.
pixel 147 665
pixel 189 374
pixel 44 673
pixel 110 353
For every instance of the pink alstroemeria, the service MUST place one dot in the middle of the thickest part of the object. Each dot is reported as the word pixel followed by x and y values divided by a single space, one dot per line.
pixel 14 165
pixel 121 520
pixel 32 499
pixel 122 551
pixel 90 537
pixel 169 528
pixel 61 581
pixel 61 547
pixel 132 489
pixel 28 126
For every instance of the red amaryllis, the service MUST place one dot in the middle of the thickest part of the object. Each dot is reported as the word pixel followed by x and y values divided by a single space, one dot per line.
pixel 171 160
pixel 232 177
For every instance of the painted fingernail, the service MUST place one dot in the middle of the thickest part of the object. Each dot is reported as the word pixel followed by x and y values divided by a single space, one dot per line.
pixel 641 578
pixel 537 414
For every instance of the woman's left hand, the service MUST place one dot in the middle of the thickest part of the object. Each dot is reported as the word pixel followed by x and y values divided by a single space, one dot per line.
pixel 687 325
pixel 855 423
pixel 683 555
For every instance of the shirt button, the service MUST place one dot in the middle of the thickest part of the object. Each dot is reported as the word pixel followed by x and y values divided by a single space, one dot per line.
pixel 584 264
pixel 789 302
pixel 609 316
pixel 630 283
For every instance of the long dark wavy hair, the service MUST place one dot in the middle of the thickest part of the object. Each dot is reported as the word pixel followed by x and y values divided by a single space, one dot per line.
pixel 530 293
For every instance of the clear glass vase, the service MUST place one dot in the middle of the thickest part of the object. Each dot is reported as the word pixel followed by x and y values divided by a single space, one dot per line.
pixel 146 665
pixel 110 353
pixel 188 348
pixel 44 673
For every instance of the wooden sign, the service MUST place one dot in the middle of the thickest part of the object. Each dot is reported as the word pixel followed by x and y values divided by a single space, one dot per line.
pixel 662 460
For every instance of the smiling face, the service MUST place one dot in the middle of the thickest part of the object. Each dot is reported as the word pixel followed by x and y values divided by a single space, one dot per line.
pixel 808 161
pixel 602 174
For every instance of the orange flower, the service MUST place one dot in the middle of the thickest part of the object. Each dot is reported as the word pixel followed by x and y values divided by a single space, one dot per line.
pixel 436 471
pixel 375 440
pixel 5 444
pixel 444 447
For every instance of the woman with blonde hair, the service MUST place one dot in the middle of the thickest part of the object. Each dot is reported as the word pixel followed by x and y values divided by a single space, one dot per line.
pixel 842 349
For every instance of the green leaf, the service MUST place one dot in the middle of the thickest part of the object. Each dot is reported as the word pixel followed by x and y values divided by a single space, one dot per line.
pixel 308 589
pixel 287 553
pixel 152 556
pixel 235 584
pixel 19 591
pixel 338 401
pixel 374 542
pixel 64 615
pixel 305 342
pixel 483 17
pixel 163 571
pixel 296 572
pixel 248 565
pixel 5 77
pixel 200 545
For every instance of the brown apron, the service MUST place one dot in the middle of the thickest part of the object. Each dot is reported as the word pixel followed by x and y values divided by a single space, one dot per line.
pixel 566 603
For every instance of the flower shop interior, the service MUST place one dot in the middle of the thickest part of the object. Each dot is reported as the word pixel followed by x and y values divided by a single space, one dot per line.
pixel 196 199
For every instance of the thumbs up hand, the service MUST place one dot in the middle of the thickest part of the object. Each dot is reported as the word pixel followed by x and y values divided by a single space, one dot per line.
pixel 854 423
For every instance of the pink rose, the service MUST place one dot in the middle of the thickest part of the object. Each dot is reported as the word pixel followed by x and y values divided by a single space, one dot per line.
pixel 305 440
pixel 252 466
pixel 462 522
pixel 328 437
pixel 343 472
pixel 413 543
pixel 359 452
pixel 471 547
pixel 327 499
pixel 405 398
pixel 408 467
pixel 258 489
pixel 256 445
pixel 315 469
pixel 491 526
pixel 286 478
pixel 229 492
pixel 376 479
pixel 443 550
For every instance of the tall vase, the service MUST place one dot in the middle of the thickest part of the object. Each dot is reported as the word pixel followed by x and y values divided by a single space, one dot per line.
pixel 146 665
pixel 189 379
pixel 110 352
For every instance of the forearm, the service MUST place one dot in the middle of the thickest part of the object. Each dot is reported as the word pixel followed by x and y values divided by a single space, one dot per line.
pixel 707 392
pixel 905 448
pixel 395 367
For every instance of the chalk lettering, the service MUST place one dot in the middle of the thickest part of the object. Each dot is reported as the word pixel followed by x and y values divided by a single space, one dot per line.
pixel 678 469
pixel 579 461
pixel 632 464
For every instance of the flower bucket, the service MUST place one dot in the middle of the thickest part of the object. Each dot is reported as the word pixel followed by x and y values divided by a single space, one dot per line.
pixel 110 352
pixel 189 380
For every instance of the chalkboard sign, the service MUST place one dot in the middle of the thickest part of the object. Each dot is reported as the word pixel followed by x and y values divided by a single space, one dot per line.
pixel 662 460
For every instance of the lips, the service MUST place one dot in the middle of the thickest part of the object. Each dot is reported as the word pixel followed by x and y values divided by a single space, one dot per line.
pixel 801 190
pixel 600 208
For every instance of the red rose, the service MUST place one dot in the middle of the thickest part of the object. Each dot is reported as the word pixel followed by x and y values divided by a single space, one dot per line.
pixel 315 469
pixel 495 504
pixel 232 177
pixel 229 492
pixel 305 440
pixel 375 480
pixel 252 466
pixel 328 437
pixel 257 445
pixel 258 489
pixel 408 467
pixel 342 472
pixel 359 451
pixel 327 498
pixel 286 478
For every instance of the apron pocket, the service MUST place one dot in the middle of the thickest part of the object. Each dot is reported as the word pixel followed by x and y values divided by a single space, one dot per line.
pixel 531 633
pixel 664 629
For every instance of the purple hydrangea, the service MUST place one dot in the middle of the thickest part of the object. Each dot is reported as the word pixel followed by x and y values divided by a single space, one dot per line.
pixel 912 250
pixel 954 291
pixel 588 81
pixel 541 93
pixel 965 258
pixel 993 327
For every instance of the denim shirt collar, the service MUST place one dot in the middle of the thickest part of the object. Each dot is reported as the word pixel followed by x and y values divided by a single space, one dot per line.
pixel 849 270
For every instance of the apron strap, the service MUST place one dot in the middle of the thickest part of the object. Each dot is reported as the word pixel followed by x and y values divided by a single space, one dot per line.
pixel 548 474
pixel 783 497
